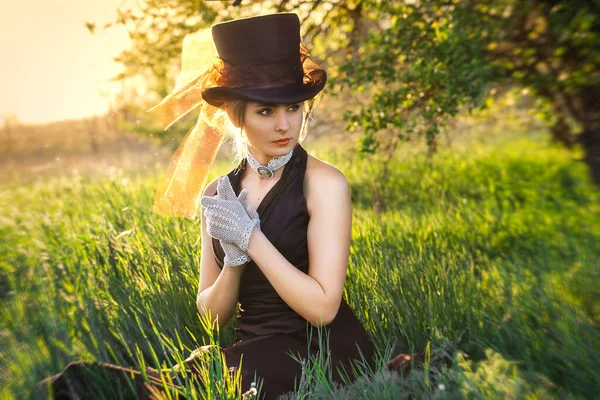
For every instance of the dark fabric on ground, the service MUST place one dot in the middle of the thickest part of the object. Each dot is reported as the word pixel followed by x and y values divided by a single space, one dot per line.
pixel 267 328
pixel 96 380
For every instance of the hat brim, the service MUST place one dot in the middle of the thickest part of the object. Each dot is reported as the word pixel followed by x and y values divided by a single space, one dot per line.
pixel 219 95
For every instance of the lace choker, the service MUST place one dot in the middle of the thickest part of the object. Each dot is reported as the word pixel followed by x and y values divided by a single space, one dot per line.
pixel 268 171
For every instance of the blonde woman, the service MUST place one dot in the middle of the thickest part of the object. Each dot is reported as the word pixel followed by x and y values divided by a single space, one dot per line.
pixel 286 212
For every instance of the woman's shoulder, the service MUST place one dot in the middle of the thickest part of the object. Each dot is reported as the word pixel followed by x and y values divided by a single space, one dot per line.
pixel 316 169
pixel 323 182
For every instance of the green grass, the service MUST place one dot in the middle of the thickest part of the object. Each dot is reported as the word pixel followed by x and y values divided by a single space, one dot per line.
pixel 488 256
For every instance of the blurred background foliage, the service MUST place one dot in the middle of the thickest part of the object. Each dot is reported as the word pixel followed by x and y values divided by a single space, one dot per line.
pixel 410 66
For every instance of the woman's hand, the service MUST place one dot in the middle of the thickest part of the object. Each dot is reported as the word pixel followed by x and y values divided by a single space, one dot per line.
pixel 234 256
pixel 227 217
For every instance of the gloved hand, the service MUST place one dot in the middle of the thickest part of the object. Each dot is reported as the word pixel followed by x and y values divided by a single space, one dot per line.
pixel 228 220
pixel 234 256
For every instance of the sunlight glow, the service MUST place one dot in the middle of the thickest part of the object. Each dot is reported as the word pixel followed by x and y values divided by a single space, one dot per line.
pixel 53 67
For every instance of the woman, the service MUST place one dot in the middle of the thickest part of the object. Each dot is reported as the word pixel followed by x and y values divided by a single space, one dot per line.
pixel 275 230
pixel 298 239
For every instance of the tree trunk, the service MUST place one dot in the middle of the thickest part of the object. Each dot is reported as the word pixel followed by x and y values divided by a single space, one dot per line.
pixel 590 140
pixel 584 106
pixel 561 132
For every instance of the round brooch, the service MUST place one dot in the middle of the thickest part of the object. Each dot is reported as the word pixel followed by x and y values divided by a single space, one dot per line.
pixel 265 172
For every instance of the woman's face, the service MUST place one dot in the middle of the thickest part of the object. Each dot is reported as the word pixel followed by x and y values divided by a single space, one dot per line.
pixel 265 124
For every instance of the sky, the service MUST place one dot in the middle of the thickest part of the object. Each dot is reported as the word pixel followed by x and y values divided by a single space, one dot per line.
pixel 52 67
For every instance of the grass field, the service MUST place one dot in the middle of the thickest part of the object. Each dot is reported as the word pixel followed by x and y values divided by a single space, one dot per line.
pixel 486 257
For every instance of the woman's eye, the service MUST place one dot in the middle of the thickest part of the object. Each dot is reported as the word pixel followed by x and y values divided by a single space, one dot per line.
pixel 268 111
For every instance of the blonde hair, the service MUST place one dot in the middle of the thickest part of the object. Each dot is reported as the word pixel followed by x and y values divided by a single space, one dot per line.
pixel 237 113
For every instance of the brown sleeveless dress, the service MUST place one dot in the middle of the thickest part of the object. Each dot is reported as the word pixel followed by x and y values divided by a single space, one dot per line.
pixel 267 328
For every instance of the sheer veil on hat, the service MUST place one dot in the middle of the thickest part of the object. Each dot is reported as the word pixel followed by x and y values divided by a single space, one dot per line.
pixel 177 194
pixel 263 68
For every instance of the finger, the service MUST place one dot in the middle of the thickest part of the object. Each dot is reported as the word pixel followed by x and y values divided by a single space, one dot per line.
pixel 243 197
pixel 251 212
pixel 209 201
pixel 226 188
pixel 222 191
pixel 220 194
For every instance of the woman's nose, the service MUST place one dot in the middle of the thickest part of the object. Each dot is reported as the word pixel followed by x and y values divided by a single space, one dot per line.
pixel 282 123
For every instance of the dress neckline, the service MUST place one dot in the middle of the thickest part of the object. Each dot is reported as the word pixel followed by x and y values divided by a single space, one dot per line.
pixel 275 188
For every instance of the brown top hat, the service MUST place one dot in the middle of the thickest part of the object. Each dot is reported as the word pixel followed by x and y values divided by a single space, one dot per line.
pixel 262 59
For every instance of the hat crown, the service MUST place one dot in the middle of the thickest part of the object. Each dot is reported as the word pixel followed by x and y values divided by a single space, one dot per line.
pixel 258 40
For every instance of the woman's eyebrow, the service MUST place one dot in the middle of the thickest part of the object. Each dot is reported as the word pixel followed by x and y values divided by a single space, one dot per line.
pixel 265 105
pixel 273 105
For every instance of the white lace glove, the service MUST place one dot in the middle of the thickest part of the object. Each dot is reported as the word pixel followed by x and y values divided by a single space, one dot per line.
pixel 228 220
pixel 234 256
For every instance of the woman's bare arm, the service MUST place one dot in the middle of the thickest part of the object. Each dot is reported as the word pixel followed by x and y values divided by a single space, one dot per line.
pixel 218 290
pixel 315 296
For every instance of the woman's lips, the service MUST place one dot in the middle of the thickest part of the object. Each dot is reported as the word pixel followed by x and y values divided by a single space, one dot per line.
pixel 282 142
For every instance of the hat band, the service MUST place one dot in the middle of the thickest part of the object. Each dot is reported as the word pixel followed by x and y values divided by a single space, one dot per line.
pixel 275 73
